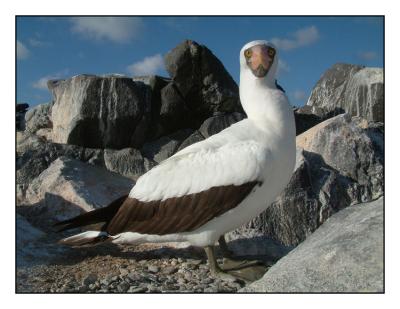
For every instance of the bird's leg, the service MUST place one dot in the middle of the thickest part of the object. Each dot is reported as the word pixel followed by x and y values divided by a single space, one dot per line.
pixel 215 269
pixel 226 252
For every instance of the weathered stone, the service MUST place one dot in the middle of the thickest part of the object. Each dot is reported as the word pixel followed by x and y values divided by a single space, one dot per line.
pixel 165 147
pixel 38 117
pixel 308 116
pixel 89 279
pixel 174 114
pixel 195 137
pixel 202 80
pixel 154 84
pixel 100 112
pixel 128 162
pixel 341 164
pixel 46 133
pixel 35 154
pixel 153 269
pixel 216 124
pixel 26 236
pixel 20 111
pixel 356 89
pixel 69 187
pixel 344 255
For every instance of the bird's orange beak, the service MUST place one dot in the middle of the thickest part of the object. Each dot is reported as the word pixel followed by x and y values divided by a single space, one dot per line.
pixel 259 58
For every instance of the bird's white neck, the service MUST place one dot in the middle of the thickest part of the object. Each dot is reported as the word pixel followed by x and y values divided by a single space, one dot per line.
pixel 265 105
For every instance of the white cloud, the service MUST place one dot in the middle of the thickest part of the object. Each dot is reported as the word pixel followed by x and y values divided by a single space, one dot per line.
pixel 41 83
pixel 300 38
pixel 22 51
pixel 116 29
pixel 299 95
pixel 367 55
pixel 283 68
pixel 147 66
pixel 38 43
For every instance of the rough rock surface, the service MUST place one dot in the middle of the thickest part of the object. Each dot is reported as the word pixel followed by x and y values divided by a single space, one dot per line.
pixel 128 162
pixel 202 80
pixel 195 137
pixel 100 111
pixel 38 117
pixel 155 84
pixel 217 123
pixel 308 116
pixel 165 147
pixel 20 111
pixel 35 154
pixel 341 163
pixel 357 90
pixel 344 255
pixel 68 187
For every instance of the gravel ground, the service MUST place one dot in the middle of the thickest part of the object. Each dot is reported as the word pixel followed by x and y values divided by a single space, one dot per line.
pixel 118 269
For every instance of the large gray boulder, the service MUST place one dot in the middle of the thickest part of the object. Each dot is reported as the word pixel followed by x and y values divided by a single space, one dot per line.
pixel 128 162
pixel 202 81
pixel 344 255
pixel 354 89
pixel 216 124
pixel 20 111
pixel 38 117
pixel 35 154
pixel 100 111
pixel 339 163
pixel 69 187
pixel 166 146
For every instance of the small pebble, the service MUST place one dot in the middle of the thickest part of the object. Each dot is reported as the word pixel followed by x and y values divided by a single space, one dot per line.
pixel 169 270
pixel 123 287
pixel 89 279
pixel 140 289
pixel 153 269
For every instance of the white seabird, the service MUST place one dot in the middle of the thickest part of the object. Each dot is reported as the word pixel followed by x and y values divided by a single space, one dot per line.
pixel 213 186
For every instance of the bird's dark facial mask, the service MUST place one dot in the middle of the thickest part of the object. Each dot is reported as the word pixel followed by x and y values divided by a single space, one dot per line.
pixel 259 59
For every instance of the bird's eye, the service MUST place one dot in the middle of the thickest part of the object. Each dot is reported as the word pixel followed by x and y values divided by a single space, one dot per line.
pixel 248 53
pixel 271 52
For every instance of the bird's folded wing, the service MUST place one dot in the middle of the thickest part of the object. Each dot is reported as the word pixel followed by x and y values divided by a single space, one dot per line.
pixel 186 191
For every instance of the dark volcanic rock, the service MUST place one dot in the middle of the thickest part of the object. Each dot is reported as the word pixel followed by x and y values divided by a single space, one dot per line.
pixel 128 162
pixel 216 124
pixel 38 117
pixel 165 147
pixel 154 84
pixel 308 116
pixel 356 89
pixel 35 154
pixel 100 112
pixel 21 109
pixel 344 255
pixel 202 80
pixel 173 109
pixel 340 164
pixel 195 137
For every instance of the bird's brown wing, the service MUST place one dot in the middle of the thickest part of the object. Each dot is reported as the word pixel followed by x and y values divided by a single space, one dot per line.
pixel 177 214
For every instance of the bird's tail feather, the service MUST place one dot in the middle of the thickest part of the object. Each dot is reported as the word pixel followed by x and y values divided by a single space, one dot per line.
pixel 89 238
pixel 104 214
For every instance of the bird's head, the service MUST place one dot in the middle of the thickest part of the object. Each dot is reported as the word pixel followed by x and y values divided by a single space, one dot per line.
pixel 260 58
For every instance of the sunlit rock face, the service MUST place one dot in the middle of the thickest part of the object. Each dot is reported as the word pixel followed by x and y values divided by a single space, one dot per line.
pixel 355 89
pixel 100 111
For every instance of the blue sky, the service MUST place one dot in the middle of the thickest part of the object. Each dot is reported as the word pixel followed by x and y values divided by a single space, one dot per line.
pixel 61 47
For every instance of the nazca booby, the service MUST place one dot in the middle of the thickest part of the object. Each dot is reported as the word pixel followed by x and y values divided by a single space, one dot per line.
pixel 213 186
